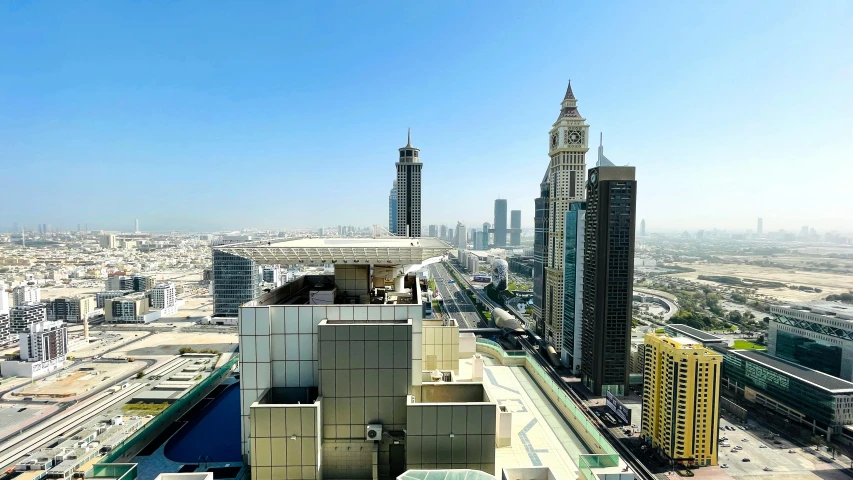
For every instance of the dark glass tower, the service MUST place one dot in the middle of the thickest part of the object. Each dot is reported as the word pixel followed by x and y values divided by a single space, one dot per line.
pixel 540 252
pixel 235 282
pixel 611 196
pixel 500 222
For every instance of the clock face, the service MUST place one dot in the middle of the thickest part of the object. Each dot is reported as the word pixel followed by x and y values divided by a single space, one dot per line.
pixel 593 177
pixel 574 137
pixel 554 139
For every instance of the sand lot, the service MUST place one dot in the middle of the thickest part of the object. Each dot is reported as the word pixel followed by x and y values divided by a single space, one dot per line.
pixel 168 343
pixel 828 282
pixel 76 380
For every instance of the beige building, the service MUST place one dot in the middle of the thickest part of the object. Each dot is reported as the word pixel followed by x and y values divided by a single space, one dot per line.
pixel 127 308
pixel 71 309
pixel 342 361
pixel 568 144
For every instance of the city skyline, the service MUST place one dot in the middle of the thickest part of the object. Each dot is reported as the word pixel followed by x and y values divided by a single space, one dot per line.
pixel 700 108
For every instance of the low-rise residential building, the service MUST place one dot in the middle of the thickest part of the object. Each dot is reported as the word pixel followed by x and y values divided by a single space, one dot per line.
pixel 44 342
pixel 164 297
pixel 26 295
pixel 681 399
pixel 127 309
pixel 25 315
pixel 101 297
pixel 71 309
pixel 6 337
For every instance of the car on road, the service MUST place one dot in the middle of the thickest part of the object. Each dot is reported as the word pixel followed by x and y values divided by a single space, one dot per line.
pixel 746 460
pixel 724 465
pixel 790 451
pixel 761 445
pixel 767 469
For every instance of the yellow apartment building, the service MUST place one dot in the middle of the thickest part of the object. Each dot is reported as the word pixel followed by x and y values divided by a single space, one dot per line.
pixel 681 399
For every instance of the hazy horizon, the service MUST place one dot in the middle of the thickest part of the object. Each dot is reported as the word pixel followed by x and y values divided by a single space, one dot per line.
pixel 196 118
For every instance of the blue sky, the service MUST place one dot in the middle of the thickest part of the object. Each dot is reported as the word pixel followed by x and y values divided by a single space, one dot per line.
pixel 226 115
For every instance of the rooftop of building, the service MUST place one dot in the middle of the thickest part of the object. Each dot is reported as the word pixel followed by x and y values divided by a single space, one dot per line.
pixel 318 251
pixel 821 380
pixel 837 310
pixel 331 290
pixel 678 342
pixel 695 333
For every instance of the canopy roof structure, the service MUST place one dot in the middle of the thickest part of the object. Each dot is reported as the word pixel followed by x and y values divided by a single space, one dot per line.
pixel 363 251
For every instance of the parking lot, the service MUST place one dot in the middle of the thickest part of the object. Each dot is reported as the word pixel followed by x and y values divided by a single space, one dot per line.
pixel 770 456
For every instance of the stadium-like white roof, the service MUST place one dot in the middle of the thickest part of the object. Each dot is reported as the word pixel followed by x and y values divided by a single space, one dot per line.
pixel 372 251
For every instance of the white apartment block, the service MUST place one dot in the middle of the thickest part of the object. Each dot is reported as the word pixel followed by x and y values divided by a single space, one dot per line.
pixel 4 299
pixel 26 295
pixel 44 342
pixel 164 297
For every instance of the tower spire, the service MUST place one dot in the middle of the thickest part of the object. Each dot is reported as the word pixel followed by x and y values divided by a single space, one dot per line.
pixel 569 94
pixel 409 140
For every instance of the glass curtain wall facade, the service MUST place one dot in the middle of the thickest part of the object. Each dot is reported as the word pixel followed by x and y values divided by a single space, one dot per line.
pixel 573 285
pixel 809 353
pixel 235 281
pixel 816 403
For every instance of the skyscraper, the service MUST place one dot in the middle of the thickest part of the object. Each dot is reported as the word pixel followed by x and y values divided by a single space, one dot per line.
pixel 608 277
pixel 409 191
pixel 485 240
pixel 392 209
pixel 235 282
pixel 643 227
pixel 433 230
pixel 568 146
pixel 500 223
pixel 137 226
pixel 515 228
pixel 461 236
pixel 573 285
pixel 442 232
pixel 681 378
pixel 540 254
pixel 760 228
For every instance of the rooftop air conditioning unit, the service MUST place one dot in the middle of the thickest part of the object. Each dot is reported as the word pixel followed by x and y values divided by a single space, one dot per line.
pixel 374 433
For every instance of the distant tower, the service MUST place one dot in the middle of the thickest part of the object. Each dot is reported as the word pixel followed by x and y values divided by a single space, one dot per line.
pixel 392 209
pixel 515 228
pixel 409 190
pixel 568 143
pixel 485 240
pixel 461 236
pixel 540 253
pixel 442 232
pixel 643 227
pixel 137 226
pixel 760 229
pixel 500 222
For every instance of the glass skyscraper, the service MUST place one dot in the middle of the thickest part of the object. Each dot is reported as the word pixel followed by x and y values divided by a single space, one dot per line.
pixel 573 285
pixel 235 282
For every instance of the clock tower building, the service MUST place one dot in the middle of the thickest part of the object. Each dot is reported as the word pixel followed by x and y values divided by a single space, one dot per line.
pixel 568 143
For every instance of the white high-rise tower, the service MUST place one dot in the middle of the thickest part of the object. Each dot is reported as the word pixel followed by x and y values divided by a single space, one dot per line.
pixel 409 191
pixel 568 144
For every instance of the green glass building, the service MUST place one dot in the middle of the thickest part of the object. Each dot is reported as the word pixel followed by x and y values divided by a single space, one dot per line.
pixel 797 392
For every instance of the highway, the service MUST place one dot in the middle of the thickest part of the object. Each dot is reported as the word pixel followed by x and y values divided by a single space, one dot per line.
pixel 456 302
